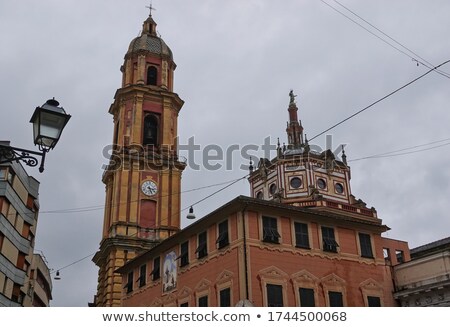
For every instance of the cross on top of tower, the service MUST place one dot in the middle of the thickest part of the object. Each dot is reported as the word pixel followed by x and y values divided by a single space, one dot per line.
pixel 151 8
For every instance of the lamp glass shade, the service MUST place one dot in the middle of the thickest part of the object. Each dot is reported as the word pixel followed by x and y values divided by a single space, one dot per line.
pixel 191 214
pixel 48 123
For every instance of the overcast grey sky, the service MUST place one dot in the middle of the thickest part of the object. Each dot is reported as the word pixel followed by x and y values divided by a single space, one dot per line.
pixel 237 61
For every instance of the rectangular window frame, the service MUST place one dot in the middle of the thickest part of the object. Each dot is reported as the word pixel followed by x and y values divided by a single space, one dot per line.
pixel 373 301
pixel 365 245
pixel 225 297
pixel 329 243
pixel 301 235
pixel 270 230
pixel 223 238
pixel 274 296
pixel 184 254
pixel 400 256
pixel 142 275
pixel 156 271
pixel 203 301
pixel 10 176
pixel 2 237
pixel 307 297
pixel 202 248
pixel 336 299
pixel 130 280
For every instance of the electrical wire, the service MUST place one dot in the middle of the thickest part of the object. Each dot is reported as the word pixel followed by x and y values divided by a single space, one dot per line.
pixel 193 204
pixel 100 207
pixel 379 100
pixel 197 202
pixel 422 61
pixel 402 152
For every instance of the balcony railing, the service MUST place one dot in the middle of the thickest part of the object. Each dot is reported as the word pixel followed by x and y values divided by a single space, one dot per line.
pixel 341 206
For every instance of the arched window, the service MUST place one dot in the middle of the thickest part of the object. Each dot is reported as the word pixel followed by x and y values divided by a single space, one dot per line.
pixel 150 130
pixel 152 74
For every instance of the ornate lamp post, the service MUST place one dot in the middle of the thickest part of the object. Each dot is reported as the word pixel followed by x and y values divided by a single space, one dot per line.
pixel 48 122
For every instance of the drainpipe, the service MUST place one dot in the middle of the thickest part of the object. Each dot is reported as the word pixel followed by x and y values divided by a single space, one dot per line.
pixel 245 255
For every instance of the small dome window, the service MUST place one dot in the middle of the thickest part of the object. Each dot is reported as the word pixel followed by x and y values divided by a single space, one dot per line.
pixel 272 188
pixel 321 183
pixel 339 188
pixel 295 182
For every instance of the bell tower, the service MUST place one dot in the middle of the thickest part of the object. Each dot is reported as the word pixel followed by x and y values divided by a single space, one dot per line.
pixel 143 178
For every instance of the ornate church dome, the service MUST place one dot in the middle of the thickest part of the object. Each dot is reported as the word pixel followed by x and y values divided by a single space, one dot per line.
pixel 149 42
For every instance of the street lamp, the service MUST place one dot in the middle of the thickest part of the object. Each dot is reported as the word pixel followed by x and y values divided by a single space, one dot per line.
pixel 191 214
pixel 48 122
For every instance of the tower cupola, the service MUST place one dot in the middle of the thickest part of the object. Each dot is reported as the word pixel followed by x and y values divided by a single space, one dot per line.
pixel 148 61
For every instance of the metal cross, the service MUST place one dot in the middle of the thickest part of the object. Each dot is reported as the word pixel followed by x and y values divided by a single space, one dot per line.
pixel 150 8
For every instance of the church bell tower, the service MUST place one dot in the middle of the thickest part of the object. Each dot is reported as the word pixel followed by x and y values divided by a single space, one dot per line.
pixel 142 205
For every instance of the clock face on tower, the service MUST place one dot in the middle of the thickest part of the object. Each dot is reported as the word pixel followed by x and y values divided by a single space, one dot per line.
pixel 149 188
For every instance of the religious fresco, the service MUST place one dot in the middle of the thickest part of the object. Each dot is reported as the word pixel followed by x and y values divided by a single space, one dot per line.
pixel 170 272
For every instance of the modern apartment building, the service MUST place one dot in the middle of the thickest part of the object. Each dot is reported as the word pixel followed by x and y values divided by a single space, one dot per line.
pixel 19 207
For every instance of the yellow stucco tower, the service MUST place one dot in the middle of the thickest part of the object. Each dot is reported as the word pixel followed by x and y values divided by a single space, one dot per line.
pixel 142 205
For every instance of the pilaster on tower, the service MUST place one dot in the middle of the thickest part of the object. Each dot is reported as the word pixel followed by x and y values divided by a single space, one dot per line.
pixel 294 128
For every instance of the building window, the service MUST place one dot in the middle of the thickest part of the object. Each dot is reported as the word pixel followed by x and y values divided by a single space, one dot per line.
pixel 5 283
pixel 373 301
pixel 270 230
pixel 2 173
pixel 339 188
pixel 222 240
pixel 202 249
pixel 203 301
pixel 225 297
pixel 272 188
pixel 387 255
pixel 274 295
pixel 129 285
pixel 295 183
pixel 16 294
pixel 301 235
pixel 307 297
pixel 184 254
pixel 152 75
pixel 156 272
pixel 10 176
pixel 329 242
pixel 335 299
pixel 321 183
pixel 142 275
pixel 259 195
pixel 400 256
pixel 184 304
pixel 365 245
pixel 150 130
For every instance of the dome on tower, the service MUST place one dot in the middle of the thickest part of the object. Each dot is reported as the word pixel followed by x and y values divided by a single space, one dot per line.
pixel 149 41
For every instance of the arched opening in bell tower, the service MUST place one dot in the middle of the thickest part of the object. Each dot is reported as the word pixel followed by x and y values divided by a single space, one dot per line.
pixel 152 75
pixel 151 123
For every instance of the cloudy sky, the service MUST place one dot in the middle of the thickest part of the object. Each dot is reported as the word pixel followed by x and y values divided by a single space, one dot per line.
pixel 237 61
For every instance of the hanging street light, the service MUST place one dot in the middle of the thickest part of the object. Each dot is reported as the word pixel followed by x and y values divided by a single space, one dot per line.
pixel 191 214
pixel 48 122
